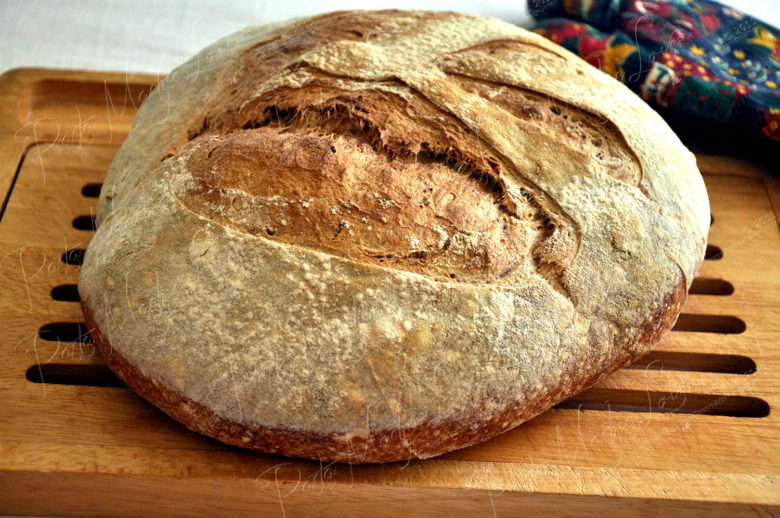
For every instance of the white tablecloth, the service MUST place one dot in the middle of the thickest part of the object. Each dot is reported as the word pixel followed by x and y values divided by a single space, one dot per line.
pixel 155 36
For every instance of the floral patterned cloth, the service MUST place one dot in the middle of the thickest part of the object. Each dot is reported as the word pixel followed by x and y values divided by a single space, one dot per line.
pixel 696 57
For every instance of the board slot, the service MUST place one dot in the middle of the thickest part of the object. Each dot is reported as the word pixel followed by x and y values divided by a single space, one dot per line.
pixel 592 399
pixel 66 293
pixel 91 190
pixel 84 223
pixel 65 332
pixel 713 253
pixel 688 322
pixel 667 403
pixel 709 286
pixel 73 374
pixel 695 362
pixel 73 256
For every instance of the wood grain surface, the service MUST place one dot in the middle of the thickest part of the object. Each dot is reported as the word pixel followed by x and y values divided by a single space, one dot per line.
pixel 691 429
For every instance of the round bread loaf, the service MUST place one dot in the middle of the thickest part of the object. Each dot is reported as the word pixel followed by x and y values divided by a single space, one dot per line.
pixel 374 236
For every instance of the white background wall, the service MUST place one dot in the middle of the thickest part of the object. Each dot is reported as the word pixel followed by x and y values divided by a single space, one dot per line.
pixel 155 36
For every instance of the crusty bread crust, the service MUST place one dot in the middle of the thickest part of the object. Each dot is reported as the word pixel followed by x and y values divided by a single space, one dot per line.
pixel 370 236
pixel 424 441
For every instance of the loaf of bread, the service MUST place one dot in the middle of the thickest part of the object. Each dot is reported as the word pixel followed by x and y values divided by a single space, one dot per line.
pixel 374 236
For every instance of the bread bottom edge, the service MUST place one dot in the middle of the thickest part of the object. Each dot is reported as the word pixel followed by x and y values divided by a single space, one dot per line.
pixel 377 446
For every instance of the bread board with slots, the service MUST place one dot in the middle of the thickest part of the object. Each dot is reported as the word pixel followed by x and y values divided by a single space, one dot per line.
pixel 692 427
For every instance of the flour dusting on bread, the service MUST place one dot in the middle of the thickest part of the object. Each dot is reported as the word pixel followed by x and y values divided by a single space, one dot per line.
pixel 370 236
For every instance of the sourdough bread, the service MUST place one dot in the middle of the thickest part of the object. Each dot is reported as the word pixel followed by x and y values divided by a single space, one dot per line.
pixel 374 236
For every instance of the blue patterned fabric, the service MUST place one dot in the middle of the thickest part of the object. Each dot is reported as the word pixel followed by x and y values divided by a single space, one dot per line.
pixel 696 57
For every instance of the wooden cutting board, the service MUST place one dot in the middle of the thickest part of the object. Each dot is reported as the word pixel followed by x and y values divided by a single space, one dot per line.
pixel 693 428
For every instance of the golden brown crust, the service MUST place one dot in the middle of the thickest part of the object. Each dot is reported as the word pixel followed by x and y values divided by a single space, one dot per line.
pixel 337 193
pixel 371 236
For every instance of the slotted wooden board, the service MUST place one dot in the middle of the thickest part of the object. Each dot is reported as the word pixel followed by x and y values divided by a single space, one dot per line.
pixel 691 429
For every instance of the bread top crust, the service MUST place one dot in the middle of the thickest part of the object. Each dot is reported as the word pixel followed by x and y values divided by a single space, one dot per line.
pixel 376 220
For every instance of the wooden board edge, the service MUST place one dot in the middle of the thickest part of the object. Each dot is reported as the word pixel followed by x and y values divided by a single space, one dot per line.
pixel 772 184
pixel 732 166
pixel 15 137
pixel 729 165
pixel 133 496
pixel 26 75
pixel 436 474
